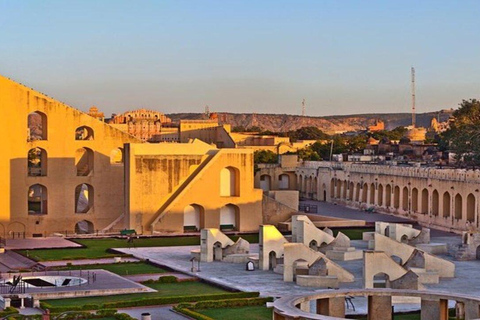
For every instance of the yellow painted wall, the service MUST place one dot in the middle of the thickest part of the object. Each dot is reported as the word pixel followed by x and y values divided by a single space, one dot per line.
pixel 164 179
pixel 16 102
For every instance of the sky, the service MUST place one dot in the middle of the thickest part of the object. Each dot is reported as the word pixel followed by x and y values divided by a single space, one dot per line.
pixel 342 57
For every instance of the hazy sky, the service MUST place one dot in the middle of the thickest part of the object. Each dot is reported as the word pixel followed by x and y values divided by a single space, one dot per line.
pixel 244 56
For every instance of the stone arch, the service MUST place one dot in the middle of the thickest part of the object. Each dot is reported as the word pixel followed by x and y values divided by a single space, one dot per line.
pixel 37 162
pixel 37 126
pixel 435 203
pixel 471 208
pixel 415 200
pixel 116 156
pixel 84 227
pixel 300 183
pixel 372 193
pixel 424 201
pixel 338 188
pixel 332 188
pixel 84 196
pixel 84 133
pixel 364 193
pixel 272 260
pixel 229 182
pixel 37 200
pixel 381 280
pixel 477 253
pixel 283 182
pixel 388 195
pixel 458 207
pixel 193 217
pixel 217 251
pixel 380 195
pixel 16 229
pixel 265 182
pixel 405 198
pixel 350 191
pixel 396 197
pixel 344 191
pixel 446 204
pixel 84 161
pixel 314 186
pixel 324 192
pixel 357 192
pixel 297 264
pixel 229 217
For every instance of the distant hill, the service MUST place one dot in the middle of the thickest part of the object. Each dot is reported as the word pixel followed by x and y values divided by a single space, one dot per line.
pixel 329 124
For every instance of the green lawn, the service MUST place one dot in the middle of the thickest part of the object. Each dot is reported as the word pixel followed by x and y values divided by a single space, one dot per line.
pixel 122 269
pixel 352 233
pixel 189 288
pixel 97 248
pixel 239 313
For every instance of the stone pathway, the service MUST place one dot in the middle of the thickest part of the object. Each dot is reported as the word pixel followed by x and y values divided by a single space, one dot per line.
pixel 61 263
pixel 155 276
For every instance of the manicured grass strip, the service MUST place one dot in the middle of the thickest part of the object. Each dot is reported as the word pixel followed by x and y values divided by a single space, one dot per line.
pixel 122 268
pixel 353 233
pixel 97 248
pixel 238 313
pixel 138 299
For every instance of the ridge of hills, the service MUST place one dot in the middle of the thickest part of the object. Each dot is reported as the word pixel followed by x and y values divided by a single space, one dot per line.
pixel 328 124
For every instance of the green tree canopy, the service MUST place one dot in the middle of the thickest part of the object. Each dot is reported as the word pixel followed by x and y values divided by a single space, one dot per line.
pixel 463 136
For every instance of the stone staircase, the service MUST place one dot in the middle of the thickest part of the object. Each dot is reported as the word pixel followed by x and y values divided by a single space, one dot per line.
pixel 11 260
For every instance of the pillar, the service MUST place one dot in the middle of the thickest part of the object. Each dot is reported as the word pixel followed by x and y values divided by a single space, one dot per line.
pixel 434 309
pixel 333 307
pixel 379 307
pixel 472 310
pixel 460 310
pixel 305 306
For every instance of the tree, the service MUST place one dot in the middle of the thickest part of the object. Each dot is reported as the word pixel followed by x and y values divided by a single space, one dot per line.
pixel 265 156
pixel 307 133
pixel 463 136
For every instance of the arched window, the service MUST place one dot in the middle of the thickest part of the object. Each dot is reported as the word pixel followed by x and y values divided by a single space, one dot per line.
pixel 425 201
pixel 332 188
pixel 372 194
pixel 37 126
pixel 283 182
pixel 84 227
pixel 396 197
pixel 471 208
pixel 446 204
pixel 458 207
pixel 193 218
pixel 229 217
pixel 84 133
pixel 37 199
pixel 84 161
pixel 415 200
pixel 364 193
pixel 37 162
pixel 229 182
pixel 83 198
pixel 388 195
pixel 380 195
pixel 435 203
pixel 116 156
pixel 265 182
pixel 405 199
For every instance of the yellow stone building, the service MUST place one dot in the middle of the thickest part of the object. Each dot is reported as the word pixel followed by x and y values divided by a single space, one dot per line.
pixel 63 171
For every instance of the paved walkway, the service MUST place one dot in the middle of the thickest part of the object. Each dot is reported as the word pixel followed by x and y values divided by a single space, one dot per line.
pixel 61 263
pixel 155 276
pixel 157 313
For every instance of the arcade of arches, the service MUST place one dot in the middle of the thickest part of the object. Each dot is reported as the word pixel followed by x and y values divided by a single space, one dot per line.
pixel 434 197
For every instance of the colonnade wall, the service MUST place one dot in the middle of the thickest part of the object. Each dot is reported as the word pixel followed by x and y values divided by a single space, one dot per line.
pixel 442 198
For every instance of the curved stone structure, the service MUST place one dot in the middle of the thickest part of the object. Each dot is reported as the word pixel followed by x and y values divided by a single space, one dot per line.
pixel 330 304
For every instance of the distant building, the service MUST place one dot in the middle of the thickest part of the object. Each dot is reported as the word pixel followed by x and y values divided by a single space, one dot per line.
pixel 93 112
pixel 378 126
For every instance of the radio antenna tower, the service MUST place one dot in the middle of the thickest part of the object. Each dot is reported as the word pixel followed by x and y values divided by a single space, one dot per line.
pixel 303 108
pixel 413 97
